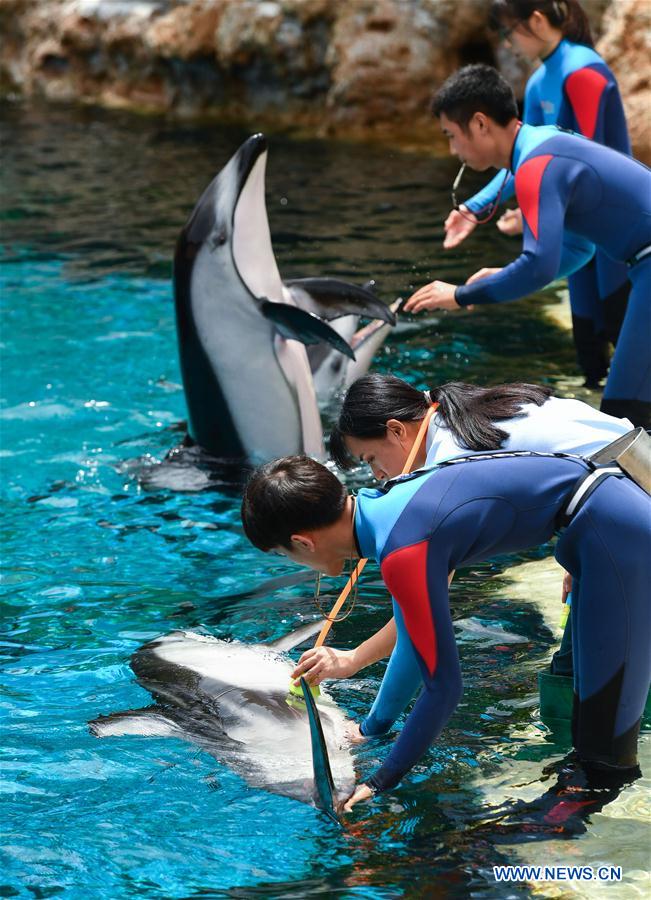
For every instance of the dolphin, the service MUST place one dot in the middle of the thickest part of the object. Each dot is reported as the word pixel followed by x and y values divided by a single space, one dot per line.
pixel 231 699
pixel 243 332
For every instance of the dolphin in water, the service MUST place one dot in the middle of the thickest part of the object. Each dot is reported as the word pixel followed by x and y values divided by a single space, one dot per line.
pixel 243 332
pixel 231 699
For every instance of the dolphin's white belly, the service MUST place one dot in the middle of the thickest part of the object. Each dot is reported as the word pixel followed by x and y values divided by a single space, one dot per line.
pixel 249 684
pixel 239 341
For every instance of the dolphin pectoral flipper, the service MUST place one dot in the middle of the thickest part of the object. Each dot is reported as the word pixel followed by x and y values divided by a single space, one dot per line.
pixel 146 722
pixel 295 638
pixel 323 780
pixel 298 325
pixel 330 298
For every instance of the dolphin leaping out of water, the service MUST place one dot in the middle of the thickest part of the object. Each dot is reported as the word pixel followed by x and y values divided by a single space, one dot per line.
pixel 230 699
pixel 243 332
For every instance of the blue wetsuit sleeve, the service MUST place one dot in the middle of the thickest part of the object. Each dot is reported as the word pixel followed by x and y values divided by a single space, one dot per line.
pixel 418 578
pixel 488 194
pixel 401 681
pixel 543 187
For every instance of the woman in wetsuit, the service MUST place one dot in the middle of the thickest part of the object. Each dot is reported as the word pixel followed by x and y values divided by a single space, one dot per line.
pixel 378 423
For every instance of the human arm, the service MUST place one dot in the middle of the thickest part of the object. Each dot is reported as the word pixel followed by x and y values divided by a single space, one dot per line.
pixel 543 186
pixel 417 577
pixel 320 663
pixel 463 220
pixel 501 186
pixel 435 295
pixel 401 681
pixel 458 225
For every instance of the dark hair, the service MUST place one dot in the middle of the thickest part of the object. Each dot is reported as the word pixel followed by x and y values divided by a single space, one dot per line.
pixel 468 411
pixel 289 495
pixel 475 88
pixel 568 15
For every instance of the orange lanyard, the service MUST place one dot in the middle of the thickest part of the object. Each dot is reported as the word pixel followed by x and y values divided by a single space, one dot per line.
pixel 357 571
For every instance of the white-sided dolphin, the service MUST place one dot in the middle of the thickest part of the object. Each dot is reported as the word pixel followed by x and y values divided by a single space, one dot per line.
pixel 242 331
pixel 230 699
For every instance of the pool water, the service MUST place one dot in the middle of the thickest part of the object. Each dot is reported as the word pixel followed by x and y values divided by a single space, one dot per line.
pixel 94 565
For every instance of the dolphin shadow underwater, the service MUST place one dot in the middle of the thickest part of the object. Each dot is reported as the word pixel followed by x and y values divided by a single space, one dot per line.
pixel 256 352
pixel 231 700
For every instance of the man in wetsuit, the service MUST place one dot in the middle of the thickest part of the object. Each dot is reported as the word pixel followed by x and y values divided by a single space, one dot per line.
pixel 421 527
pixel 565 185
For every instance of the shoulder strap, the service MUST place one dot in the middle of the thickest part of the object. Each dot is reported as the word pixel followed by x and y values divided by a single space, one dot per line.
pixel 494 454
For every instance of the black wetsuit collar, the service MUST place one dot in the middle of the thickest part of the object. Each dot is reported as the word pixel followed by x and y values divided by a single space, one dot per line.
pixel 355 538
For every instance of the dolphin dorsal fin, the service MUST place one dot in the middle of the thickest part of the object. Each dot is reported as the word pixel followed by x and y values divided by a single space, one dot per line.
pixel 323 780
pixel 295 638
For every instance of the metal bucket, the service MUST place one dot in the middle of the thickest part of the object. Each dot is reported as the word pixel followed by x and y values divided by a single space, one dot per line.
pixel 632 453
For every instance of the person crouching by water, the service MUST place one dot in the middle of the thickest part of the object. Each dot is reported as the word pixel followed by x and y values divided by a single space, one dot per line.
pixel 422 526
pixel 378 423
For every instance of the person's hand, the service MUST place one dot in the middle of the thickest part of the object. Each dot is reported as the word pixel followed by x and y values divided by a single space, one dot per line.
pixel 435 295
pixel 511 222
pixel 458 227
pixel 319 663
pixel 567 586
pixel 362 792
pixel 482 273
pixel 354 733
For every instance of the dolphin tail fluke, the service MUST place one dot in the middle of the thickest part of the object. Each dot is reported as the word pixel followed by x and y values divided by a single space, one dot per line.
pixel 298 325
pixel 323 780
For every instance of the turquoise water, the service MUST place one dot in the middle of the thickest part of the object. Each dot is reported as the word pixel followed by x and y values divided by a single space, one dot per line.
pixel 94 566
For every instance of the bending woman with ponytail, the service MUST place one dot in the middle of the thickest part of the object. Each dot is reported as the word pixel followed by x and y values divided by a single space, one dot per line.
pixel 574 89
pixel 378 423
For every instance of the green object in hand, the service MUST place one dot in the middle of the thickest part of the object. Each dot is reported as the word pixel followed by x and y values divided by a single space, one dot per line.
pixel 295 696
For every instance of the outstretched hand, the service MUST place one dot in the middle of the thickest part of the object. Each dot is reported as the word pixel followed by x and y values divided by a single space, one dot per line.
pixel 319 663
pixel 458 225
pixel 435 295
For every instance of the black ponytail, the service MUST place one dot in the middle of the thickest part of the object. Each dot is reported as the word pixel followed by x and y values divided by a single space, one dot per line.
pixel 468 411
pixel 568 15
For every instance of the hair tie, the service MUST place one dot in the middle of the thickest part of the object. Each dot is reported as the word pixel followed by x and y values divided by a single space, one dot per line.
pixel 560 10
pixel 428 398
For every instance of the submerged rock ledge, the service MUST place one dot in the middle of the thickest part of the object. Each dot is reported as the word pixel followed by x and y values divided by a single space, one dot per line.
pixel 354 68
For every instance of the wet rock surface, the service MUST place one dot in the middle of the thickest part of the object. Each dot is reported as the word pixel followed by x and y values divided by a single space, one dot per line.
pixel 355 68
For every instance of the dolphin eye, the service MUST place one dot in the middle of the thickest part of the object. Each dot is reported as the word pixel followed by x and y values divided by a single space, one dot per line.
pixel 219 239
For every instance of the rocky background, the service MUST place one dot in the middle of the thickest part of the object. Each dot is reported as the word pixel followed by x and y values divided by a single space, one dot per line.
pixel 353 68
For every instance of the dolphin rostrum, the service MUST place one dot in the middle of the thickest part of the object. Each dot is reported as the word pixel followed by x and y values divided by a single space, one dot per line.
pixel 230 699
pixel 242 331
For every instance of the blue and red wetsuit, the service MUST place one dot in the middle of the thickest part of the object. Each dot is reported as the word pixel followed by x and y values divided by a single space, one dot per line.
pixel 566 182
pixel 574 88
pixel 422 527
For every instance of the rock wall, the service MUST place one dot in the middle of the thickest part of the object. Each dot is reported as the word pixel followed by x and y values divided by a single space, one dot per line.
pixel 346 67
pixel 626 47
